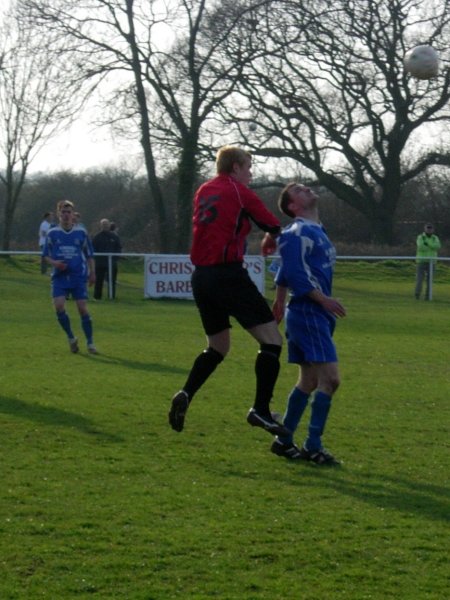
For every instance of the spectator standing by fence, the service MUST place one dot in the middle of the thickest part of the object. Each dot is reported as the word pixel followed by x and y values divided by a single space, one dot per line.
pixel 428 245
pixel 44 227
pixel 77 221
pixel 105 242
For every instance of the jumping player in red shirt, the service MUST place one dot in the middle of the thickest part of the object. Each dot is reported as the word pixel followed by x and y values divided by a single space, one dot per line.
pixel 223 210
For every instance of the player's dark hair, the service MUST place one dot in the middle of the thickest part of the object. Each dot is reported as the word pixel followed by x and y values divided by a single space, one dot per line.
pixel 284 200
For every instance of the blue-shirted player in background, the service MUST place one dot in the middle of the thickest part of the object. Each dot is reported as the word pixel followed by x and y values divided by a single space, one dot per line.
pixel 307 261
pixel 68 250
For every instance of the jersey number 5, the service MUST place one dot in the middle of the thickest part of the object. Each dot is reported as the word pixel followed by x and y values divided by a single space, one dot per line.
pixel 207 211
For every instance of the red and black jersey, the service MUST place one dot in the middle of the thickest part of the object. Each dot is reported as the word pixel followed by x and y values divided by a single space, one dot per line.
pixel 223 208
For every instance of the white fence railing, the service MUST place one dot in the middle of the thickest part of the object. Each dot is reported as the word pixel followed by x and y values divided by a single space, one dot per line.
pixel 270 258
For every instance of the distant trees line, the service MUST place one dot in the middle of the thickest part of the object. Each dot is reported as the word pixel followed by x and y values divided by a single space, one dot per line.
pixel 122 197
pixel 315 89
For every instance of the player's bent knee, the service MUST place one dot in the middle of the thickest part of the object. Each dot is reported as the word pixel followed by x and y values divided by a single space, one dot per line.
pixel 307 385
pixel 335 384
pixel 219 348
pixel 332 385
pixel 267 333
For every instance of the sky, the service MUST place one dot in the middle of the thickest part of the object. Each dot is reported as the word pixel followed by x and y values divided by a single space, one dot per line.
pixel 83 147
pixel 79 148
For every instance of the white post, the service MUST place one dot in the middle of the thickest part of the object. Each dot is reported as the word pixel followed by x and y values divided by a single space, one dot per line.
pixel 430 280
pixel 110 276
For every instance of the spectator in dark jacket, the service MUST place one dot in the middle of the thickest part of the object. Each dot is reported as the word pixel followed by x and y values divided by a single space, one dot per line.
pixel 105 242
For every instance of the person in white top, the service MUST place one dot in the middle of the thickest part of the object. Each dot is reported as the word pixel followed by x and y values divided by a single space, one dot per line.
pixel 47 223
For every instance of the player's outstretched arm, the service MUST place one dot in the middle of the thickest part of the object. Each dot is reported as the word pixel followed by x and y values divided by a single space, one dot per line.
pixel 269 244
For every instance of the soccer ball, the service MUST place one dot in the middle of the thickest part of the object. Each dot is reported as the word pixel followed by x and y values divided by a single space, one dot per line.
pixel 422 62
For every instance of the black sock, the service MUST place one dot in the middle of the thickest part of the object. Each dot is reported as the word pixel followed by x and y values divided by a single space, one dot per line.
pixel 267 367
pixel 203 366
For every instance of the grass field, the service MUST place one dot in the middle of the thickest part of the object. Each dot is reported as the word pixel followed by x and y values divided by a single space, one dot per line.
pixel 101 499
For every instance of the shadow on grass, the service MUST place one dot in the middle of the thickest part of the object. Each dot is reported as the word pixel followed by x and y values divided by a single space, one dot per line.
pixel 48 415
pixel 427 500
pixel 401 494
pixel 135 364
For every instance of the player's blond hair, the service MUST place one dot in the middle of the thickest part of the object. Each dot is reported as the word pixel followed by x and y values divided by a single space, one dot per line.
pixel 227 156
pixel 64 204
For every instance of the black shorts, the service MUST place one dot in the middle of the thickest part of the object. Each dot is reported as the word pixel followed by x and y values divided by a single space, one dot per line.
pixel 224 291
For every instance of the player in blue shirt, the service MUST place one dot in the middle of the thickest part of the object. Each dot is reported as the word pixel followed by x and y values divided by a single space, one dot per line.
pixel 68 250
pixel 307 261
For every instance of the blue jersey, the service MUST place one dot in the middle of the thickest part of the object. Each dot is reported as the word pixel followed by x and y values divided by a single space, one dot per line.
pixel 73 248
pixel 307 259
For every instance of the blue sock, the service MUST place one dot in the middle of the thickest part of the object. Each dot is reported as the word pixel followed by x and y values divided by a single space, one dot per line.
pixel 296 404
pixel 86 324
pixel 320 407
pixel 64 321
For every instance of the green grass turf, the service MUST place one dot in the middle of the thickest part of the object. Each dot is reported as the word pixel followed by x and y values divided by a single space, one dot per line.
pixel 101 499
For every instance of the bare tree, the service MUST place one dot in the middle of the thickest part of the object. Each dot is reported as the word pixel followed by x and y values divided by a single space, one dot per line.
pixel 328 90
pixel 166 71
pixel 36 102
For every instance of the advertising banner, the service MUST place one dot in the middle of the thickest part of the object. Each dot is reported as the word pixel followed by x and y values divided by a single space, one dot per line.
pixel 169 275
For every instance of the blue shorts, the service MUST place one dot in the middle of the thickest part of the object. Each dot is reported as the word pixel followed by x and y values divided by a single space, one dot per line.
pixel 309 332
pixel 78 290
